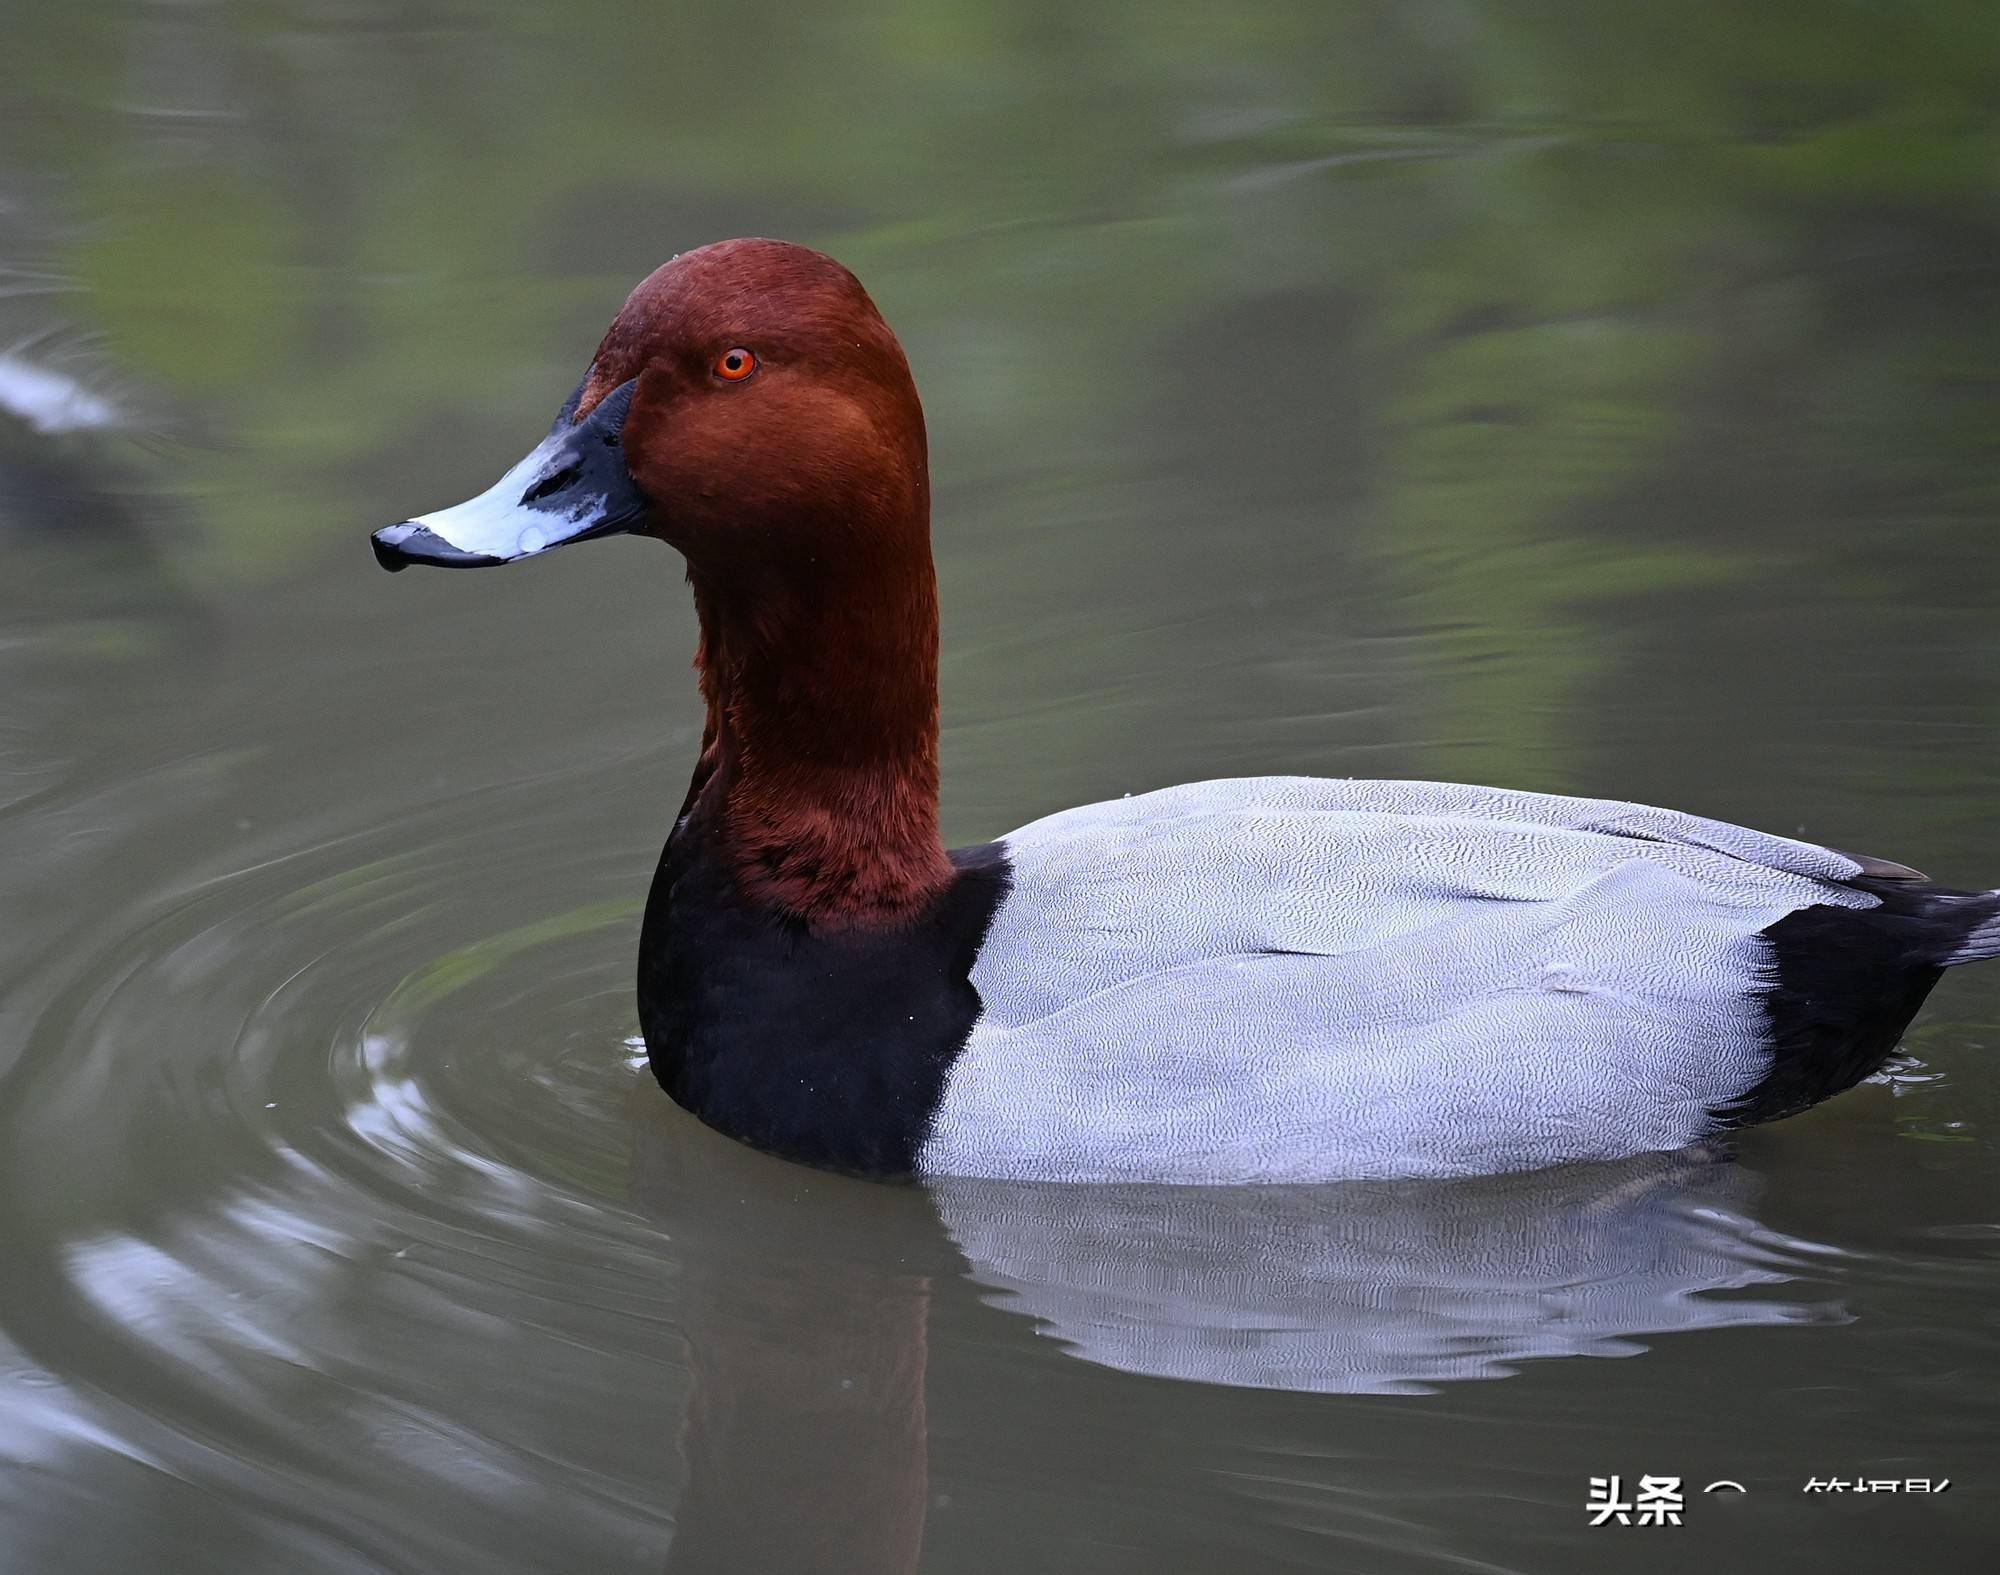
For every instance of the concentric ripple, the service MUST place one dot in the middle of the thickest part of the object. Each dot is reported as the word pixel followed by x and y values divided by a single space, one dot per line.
pixel 319 1175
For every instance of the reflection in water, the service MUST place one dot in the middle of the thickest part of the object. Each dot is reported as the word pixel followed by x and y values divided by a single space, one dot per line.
pixel 48 400
pixel 804 1308
pixel 1379 1288
pixel 806 1299
pixel 425 1320
pixel 89 604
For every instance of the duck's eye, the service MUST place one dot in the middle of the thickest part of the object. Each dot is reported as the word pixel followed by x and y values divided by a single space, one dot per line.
pixel 732 366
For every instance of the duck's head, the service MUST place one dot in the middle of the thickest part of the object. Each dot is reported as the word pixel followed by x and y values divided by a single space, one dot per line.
pixel 748 405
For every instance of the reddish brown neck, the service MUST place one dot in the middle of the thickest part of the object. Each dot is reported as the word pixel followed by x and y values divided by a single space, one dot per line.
pixel 819 761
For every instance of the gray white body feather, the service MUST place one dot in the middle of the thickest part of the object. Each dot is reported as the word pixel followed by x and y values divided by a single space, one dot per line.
pixel 1292 979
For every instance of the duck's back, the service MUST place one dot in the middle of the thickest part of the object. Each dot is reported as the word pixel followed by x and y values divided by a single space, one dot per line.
pixel 1295 979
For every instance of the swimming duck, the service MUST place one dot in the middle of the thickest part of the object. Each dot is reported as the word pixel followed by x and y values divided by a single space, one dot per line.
pixel 1273 979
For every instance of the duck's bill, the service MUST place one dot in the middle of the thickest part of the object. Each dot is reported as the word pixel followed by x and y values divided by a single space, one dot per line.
pixel 571 487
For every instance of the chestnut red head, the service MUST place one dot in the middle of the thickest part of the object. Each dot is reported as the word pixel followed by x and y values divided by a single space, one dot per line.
pixel 748 400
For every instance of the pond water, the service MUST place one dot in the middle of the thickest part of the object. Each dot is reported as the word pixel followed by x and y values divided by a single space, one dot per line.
pixel 1582 398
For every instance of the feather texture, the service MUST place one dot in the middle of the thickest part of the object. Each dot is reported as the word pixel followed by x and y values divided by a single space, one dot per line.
pixel 1296 979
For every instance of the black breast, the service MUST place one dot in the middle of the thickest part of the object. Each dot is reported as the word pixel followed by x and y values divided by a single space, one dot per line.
pixel 830 1049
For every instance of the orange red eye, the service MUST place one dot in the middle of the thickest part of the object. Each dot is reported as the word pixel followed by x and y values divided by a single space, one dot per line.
pixel 732 366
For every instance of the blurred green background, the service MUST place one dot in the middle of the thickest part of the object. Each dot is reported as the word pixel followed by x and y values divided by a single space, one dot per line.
pixel 1507 325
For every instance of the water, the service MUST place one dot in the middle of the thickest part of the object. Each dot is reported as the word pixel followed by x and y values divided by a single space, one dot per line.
pixel 1561 396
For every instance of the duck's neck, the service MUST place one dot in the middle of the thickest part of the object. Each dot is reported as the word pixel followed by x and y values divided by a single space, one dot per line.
pixel 818 778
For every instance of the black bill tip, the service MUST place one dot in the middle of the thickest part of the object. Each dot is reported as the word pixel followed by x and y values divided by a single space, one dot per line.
pixel 399 546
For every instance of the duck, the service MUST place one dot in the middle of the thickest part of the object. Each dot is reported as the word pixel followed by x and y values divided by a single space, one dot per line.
pixel 1276 979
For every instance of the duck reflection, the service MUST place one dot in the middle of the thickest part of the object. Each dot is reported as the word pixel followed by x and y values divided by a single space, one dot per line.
pixel 1380 1288
pixel 806 1304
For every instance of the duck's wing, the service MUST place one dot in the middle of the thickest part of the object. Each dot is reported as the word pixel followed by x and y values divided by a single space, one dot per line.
pixel 1292 978
pixel 1456 801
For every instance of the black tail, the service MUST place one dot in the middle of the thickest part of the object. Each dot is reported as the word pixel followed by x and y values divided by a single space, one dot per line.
pixel 1982 938
pixel 1848 981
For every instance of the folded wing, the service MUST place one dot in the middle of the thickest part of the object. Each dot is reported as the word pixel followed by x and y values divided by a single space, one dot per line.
pixel 1295 979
